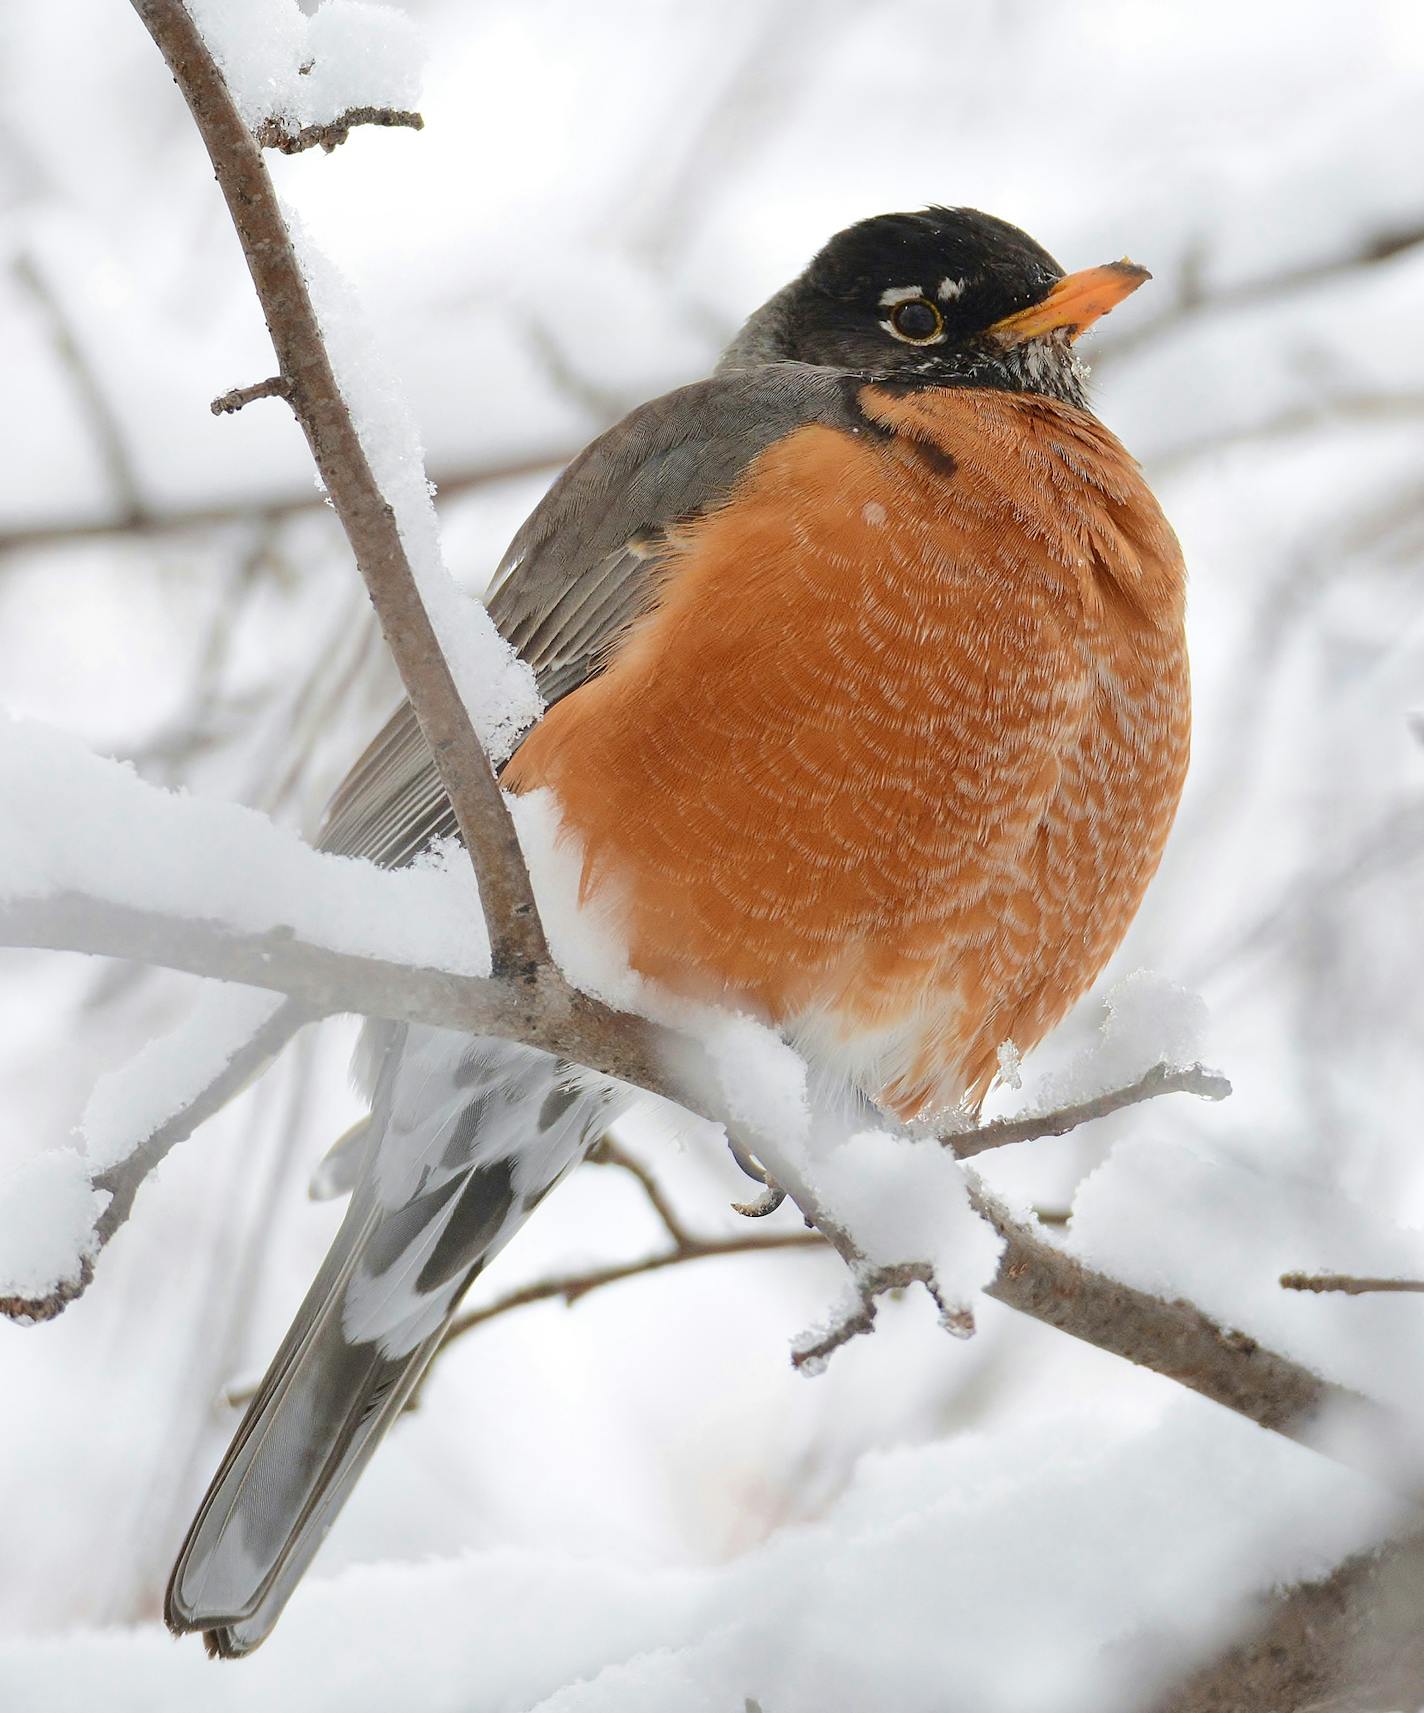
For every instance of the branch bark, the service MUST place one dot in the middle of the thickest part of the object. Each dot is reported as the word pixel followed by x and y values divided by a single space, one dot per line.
pixel 1347 1284
pixel 273 134
pixel 1351 1643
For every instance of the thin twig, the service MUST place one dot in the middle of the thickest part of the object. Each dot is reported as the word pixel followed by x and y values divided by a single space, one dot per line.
pixel 276 134
pixel 610 1153
pixel 572 1286
pixel 102 414
pixel 1196 298
pixel 144 520
pixel 227 404
pixel 1346 1283
pixel 1161 1079
pixel 124 1180
pixel 516 932
pixel 813 1350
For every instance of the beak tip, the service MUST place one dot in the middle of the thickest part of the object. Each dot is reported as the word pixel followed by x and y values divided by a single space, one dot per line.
pixel 1131 270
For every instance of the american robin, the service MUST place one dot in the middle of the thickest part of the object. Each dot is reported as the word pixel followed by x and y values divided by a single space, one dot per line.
pixel 868 705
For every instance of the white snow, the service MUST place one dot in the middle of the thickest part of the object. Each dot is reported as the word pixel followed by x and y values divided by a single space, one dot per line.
pixel 281 64
pixel 47 1213
pixel 76 822
pixel 904 1200
pixel 1182 1221
pixel 1147 1020
pixel 1052 1563
pixel 496 686
pixel 762 1080
pixel 127 1105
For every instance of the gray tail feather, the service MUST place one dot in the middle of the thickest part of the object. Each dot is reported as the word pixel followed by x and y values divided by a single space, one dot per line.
pixel 321 1411
pixel 466 1136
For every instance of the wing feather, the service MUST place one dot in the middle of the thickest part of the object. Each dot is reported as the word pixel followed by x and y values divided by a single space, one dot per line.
pixel 585 566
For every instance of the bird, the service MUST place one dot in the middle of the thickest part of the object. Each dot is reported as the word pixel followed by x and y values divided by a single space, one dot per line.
pixel 867 708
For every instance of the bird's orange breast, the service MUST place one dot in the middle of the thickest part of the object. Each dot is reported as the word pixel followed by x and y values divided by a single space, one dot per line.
pixel 895 752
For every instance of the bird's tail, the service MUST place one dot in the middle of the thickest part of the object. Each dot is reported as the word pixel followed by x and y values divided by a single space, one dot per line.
pixel 465 1137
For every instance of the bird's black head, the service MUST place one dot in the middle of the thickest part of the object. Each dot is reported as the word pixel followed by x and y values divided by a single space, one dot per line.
pixel 948 296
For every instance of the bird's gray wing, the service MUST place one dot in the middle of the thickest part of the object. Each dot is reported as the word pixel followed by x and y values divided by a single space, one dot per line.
pixel 585 566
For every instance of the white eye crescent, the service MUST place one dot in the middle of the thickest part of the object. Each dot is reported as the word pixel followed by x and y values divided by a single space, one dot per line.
pixel 899 294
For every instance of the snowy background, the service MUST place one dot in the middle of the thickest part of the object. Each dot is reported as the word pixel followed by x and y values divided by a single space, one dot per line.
pixel 634 1503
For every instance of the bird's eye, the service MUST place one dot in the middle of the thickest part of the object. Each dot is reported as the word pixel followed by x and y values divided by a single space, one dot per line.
pixel 918 321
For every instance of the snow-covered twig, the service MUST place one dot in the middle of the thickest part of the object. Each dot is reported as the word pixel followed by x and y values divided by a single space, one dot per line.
pixel 1034 1277
pixel 516 932
pixel 1176 1339
pixel 811 1352
pixel 1161 1079
pixel 323 980
pixel 273 134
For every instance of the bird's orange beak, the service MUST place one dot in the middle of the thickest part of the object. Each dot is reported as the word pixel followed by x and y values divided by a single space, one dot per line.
pixel 1074 304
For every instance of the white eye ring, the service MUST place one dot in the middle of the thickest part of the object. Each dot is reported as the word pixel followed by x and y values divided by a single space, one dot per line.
pixel 895 324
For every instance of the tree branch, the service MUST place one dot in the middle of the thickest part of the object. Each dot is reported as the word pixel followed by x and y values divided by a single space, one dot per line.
pixel 1351 1643
pixel 572 1286
pixel 541 1013
pixel 1035 1277
pixel 610 1153
pixel 515 930
pixel 1176 1339
pixel 227 404
pixel 276 134
pixel 1346 1283
pixel 1161 1079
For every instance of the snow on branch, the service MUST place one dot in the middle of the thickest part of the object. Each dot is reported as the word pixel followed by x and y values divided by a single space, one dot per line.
pixel 369 515
pixel 1162 1078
